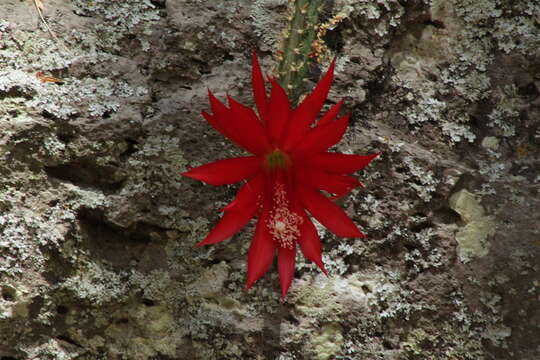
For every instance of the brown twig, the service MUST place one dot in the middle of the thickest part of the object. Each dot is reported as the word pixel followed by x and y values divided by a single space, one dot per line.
pixel 39 6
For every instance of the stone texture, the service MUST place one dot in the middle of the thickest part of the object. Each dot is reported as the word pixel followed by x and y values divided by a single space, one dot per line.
pixel 97 228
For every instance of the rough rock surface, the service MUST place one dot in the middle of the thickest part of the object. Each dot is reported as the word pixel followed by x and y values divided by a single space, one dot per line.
pixel 97 229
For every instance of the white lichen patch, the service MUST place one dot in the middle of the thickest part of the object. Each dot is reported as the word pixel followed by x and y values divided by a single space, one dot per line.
pixel 473 238
pixel 93 96
pixel 524 25
pixel 97 284
pixel 27 224
pixel 164 147
pixel 121 17
pixel 415 71
pixel 423 181
pixel 506 113
pixel 53 349
pixel 263 17
pixel 456 60
pixel 429 256
pixel 391 11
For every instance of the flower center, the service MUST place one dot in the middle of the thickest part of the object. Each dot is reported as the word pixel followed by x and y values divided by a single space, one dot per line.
pixel 283 224
pixel 277 159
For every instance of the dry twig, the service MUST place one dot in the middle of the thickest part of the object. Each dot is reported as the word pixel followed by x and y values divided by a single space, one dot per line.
pixel 39 7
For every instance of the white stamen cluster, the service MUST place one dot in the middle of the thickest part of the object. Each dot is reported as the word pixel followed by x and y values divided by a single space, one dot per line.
pixel 284 225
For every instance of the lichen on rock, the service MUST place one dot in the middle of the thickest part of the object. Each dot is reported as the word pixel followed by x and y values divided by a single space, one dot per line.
pixel 473 239
pixel 97 228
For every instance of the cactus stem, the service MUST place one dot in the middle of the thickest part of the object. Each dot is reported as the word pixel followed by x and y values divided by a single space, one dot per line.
pixel 297 46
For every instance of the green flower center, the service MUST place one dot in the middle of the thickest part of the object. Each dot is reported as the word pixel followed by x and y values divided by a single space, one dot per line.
pixel 277 159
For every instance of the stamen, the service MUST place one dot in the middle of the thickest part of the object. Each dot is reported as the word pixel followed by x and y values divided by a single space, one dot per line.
pixel 277 159
pixel 284 225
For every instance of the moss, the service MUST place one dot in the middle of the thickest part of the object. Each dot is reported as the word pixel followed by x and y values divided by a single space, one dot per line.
pixel 327 342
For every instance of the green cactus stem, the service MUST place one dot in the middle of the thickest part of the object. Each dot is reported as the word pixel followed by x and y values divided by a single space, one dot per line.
pixel 297 45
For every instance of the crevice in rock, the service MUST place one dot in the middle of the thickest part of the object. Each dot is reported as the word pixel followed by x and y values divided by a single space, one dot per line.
pixel 68 340
pixel 148 302
pixel 121 247
pixel 131 148
pixel 17 91
pixel 435 23
pixel 445 215
pixel 62 309
pixel 160 4
pixel 8 293
pixel 85 173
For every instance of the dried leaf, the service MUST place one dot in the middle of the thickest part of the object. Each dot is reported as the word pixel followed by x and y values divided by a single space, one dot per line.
pixel 43 78
pixel 522 150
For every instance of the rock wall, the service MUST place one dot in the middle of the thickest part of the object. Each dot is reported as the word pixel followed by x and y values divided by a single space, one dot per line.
pixel 97 228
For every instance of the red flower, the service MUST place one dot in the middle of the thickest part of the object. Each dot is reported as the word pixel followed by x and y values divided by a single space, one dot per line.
pixel 289 165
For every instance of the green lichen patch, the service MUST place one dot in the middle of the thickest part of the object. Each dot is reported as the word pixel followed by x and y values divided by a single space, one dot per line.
pixel 473 238
pixel 327 342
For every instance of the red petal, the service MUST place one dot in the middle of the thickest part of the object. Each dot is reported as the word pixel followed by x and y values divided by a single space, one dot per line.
pixel 248 194
pixel 238 212
pixel 310 243
pixel 339 185
pixel 278 112
pixel 327 213
pixel 308 110
pixel 228 171
pixel 286 260
pixel 236 123
pixel 231 223
pixel 340 163
pixel 259 90
pixel 248 129
pixel 218 109
pixel 331 114
pixel 221 119
pixel 321 138
pixel 214 121
pixel 261 251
